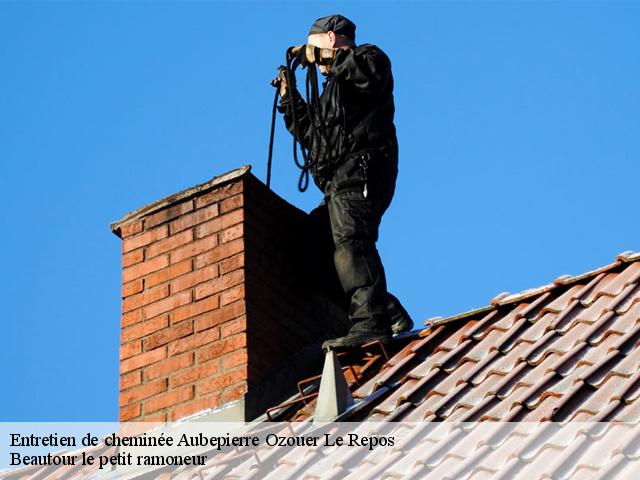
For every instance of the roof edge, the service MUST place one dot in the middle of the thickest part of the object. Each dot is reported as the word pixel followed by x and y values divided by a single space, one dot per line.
pixel 176 197
pixel 436 321
pixel 506 298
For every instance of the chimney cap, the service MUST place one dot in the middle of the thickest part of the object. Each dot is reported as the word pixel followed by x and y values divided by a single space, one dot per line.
pixel 177 197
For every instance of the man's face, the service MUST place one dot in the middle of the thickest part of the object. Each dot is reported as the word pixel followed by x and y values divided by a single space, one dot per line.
pixel 322 40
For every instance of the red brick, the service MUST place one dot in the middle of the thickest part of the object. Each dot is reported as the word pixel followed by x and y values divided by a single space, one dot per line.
pixel 231 203
pixel 168 214
pixel 219 316
pixel 170 303
pixel 231 295
pixel 194 341
pixel 219 223
pixel 145 238
pixel 194 278
pixel 219 194
pixel 232 263
pixel 141 269
pixel 159 417
pixel 129 412
pixel 168 273
pixel 131 318
pixel 130 349
pixel 231 233
pixel 196 373
pixel 132 258
pixel 236 392
pixel 168 399
pixel 193 309
pixel 169 243
pixel 223 347
pixel 219 284
pixel 145 390
pixel 130 379
pixel 195 406
pixel 220 252
pixel 130 228
pixel 169 365
pixel 142 360
pixel 143 329
pixel 194 248
pixel 150 295
pixel 194 218
pixel 167 335
pixel 222 381
pixel 239 357
pixel 234 326
pixel 131 288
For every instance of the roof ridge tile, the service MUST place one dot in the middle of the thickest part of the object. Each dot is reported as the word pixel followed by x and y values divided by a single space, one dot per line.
pixel 628 256
pixel 505 298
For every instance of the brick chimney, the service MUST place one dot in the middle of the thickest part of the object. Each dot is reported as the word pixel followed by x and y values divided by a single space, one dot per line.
pixel 220 302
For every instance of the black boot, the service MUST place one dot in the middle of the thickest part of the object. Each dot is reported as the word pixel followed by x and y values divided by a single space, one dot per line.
pixel 360 333
pixel 353 340
pixel 400 319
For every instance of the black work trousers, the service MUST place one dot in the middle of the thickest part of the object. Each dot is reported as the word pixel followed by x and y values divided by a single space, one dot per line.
pixel 354 202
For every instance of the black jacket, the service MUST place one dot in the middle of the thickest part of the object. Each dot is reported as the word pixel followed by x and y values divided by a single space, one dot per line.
pixel 357 108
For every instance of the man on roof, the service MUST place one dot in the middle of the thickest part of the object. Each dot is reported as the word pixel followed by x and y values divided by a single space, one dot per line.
pixel 355 165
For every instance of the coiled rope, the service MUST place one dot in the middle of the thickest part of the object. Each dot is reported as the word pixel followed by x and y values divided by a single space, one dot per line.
pixel 314 114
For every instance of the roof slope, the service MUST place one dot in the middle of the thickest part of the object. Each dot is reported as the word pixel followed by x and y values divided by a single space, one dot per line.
pixel 565 351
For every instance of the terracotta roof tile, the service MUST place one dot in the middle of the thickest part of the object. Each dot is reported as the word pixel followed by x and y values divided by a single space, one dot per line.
pixel 632 299
pixel 534 330
pixel 479 350
pixel 506 322
pixel 592 312
pixel 481 369
pixel 541 467
pixel 425 367
pixel 397 397
pixel 458 413
pixel 620 279
pixel 632 390
pixel 563 301
pixel 627 320
pixel 600 397
pixel 457 338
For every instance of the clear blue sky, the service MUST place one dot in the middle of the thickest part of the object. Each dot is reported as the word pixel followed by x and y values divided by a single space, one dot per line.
pixel 519 141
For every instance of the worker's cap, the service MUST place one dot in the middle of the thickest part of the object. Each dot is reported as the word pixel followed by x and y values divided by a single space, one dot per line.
pixel 334 23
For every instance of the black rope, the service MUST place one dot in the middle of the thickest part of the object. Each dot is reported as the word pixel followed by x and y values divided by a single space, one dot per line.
pixel 271 135
pixel 315 118
pixel 305 166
